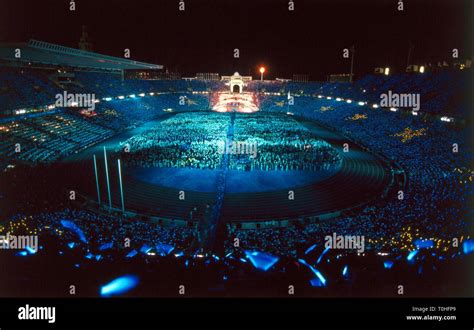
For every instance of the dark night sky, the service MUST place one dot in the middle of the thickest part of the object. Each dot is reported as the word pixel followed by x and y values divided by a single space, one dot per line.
pixel 201 39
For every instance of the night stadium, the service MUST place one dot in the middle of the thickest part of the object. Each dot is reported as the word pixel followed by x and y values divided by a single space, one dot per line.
pixel 231 149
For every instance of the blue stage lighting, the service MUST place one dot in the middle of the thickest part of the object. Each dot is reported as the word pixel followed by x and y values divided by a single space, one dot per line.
pixel 388 264
pixel 132 254
pixel 106 246
pixel 345 271
pixel 468 246
pixel 412 254
pixel 164 249
pixel 119 286
pixel 316 272
pixel 316 282
pixel 30 250
pixel 322 255
pixel 421 244
pixel 145 248
pixel 72 226
pixel 260 260
pixel 311 248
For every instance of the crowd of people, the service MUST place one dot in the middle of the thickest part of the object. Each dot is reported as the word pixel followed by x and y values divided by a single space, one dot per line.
pixel 260 142
pixel 281 144
pixel 93 230
pixel 433 204
pixel 184 140
pixel 77 242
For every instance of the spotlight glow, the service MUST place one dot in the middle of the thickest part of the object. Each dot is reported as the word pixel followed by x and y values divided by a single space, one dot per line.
pixel 119 286
pixel 239 102
pixel 260 260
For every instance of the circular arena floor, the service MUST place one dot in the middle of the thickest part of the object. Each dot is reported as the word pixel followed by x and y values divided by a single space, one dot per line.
pixel 249 196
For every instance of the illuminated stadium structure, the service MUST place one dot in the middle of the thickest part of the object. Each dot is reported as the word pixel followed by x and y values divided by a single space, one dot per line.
pixel 238 102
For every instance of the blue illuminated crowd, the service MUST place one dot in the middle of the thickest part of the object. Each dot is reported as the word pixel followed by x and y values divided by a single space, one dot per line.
pixel 433 206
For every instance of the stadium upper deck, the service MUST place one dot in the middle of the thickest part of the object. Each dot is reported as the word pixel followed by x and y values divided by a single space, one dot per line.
pixel 47 54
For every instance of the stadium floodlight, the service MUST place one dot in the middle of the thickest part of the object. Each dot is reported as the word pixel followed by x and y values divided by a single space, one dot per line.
pixel 446 119
pixel 262 71
pixel 422 69
pixel 349 101
pixel 107 99
pixel 152 93
pixel 375 105
pixel 328 98
pixel 412 255
pixel 320 96
pixel 393 109
pixel 386 71
pixel 121 97
pixel 338 99
pixel 361 103
pixel 132 96
pixel 141 94
pixel 119 285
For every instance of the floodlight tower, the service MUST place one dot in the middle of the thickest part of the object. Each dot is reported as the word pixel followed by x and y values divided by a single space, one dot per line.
pixel 352 62
pixel 262 71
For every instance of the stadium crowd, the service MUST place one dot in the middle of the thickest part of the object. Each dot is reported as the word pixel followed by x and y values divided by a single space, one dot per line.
pixel 184 140
pixel 281 144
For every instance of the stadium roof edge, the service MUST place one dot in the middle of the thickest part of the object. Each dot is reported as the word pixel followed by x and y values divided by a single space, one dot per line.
pixel 41 52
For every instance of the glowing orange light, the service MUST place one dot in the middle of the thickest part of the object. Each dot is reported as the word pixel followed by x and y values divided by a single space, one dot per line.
pixel 262 69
